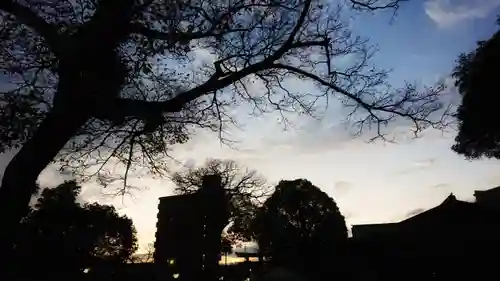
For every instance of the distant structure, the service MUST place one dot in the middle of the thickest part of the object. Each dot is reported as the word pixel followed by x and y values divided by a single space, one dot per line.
pixel 455 234
pixel 490 197
pixel 189 227
pixel 449 211
pixel 451 207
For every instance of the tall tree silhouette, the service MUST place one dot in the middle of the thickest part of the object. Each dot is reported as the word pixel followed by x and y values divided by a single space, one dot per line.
pixel 59 235
pixel 98 82
pixel 476 77
pixel 299 227
pixel 245 188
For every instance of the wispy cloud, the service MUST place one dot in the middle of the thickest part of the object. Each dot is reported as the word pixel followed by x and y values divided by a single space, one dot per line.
pixel 418 166
pixel 424 162
pixel 190 163
pixel 441 186
pixel 341 187
pixel 413 212
pixel 447 13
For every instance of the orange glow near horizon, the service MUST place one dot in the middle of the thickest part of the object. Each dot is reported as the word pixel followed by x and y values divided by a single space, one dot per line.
pixel 234 260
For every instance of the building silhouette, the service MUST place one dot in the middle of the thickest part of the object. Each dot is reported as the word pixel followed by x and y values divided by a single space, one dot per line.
pixel 488 198
pixel 189 227
pixel 454 239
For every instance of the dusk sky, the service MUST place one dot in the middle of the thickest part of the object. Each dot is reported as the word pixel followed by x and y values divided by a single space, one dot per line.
pixel 371 183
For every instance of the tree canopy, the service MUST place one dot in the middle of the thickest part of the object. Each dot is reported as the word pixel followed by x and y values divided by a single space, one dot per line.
pixel 475 74
pixel 299 227
pixel 101 86
pixel 61 235
pixel 245 188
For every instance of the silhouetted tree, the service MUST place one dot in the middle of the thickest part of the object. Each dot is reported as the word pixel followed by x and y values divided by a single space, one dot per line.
pixel 60 235
pixel 301 227
pixel 146 257
pixel 98 82
pixel 245 188
pixel 150 251
pixel 476 78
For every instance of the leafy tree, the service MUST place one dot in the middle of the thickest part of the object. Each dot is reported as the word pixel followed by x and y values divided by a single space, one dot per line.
pixel 61 235
pixel 97 82
pixel 244 187
pixel 476 77
pixel 299 227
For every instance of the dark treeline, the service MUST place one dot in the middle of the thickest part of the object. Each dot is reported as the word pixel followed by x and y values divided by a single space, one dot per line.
pixel 61 238
pixel 299 230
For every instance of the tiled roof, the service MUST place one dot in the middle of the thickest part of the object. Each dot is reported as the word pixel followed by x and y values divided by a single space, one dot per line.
pixel 451 209
pixel 491 190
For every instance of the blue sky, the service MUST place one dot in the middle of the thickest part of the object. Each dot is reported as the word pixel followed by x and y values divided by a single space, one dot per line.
pixel 420 48
pixel 370 182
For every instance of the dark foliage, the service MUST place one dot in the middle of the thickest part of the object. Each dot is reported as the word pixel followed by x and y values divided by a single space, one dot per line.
pixel 94 83
pixel 476 74
pixel 60 235
pixel 300 227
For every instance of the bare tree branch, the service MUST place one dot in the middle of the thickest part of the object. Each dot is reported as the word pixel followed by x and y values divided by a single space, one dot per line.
pixel 245 188
pixel 373 5
pixel 126 81
pixel 31 19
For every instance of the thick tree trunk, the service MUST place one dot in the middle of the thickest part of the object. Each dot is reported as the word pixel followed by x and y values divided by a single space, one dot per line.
pixel 23 170
pixel 86 67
